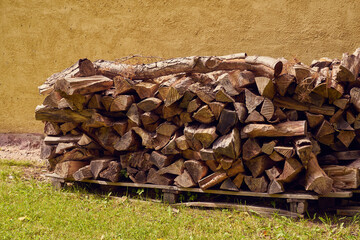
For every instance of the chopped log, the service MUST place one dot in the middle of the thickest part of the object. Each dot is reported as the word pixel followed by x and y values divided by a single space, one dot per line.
pixel 228 145
pixel 188 96
pixel 160 160
pixel 128 142
pixel 347 155
pixel 355 98
pixel 106 137
pixel 121 103
pixel 185 180
pixel 51 129
pixel 342 103
pixel 67 127
pixel 194 105
pixel 251 149
pixel 155 178
pixel 148 118
pixel 62 147
pixel 122 85
pixel 145 89
pixel 149 104
pixel 83 173
pixel 283 82
pixel 51 140
pixel 112 172
pixel 47 151
pixel 189 132
pixel 204 115
pixel 83 85
pixel 291 170
pixel 190 154
pixel 222 96
pixel 268 147
pixel 238 180
pixel 228 185
pixel 216 108
pixel 335 118
pixel 185 117
pixel 236 167
pixel 212 180
pixel 170 147
pixel 227 121
pixel 134 114
pixel 97 121
pixel 341 124
pixel 343 177
pixel 166 129
pixel 240 109
pixel 44 113
pixel 88 143
pixel 207 154
pixel 139 177
pixel 316 179
pixel 170 111
pixel 226 163
pixel 276 157
pixel 303 149
pixel 275 187
pixel 196 169
pixel 206 135
pixel 327 139
pixel 273 172
pixel 286 129
pixel 67 169
pixel 265 87
pixel 346 137
pixel 120 127
pixel 182 143
pixel 106 102
pixel 354 164
pixel 270 62
pixel 150 140
pixel 99 165
pixel 287 152
pixel 267 109
pixel 53 99
pixel 279 114
pixel 252 100
pixel 292 115
pixel 176 168
pixel 314 119
pixel 177 90
pixel 257 184
pixel 254 116
pixel 324 129
pixel 258 165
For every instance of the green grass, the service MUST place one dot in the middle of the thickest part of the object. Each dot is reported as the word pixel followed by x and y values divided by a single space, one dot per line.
pixel 31 209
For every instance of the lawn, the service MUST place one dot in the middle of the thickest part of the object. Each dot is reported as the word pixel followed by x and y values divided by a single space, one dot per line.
pixel 31 209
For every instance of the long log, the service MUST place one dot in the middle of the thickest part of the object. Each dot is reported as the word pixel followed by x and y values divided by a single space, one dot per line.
pixel 285 129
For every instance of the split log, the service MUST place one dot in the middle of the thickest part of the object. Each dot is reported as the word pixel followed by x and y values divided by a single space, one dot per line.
pixel 212 180
pixel 287 152
pixel 238 180
pixel 342 103
pixel 44 113
pixel 254 116
pixel 228 145
pixel 128 142
pixel 171 111
pixel 83 173
pixel 51 129
pixel 149 104
pixel 146 89
pixel 47 152
pixel 122 84
pixel 207 154
pixel 216 108
pixel 316 179
pixel 228 185
pixel 314 119
pixel 275 187
pixel 185 180
pixel 189 132
pixel 343 177
pixel 240 109
pixel 120 127
pixel 170 148
pixel 226 163
pixel 177 90
pixel 258 165
pixel 252 100
pixel 188 96
pixel 347 155
pixel 139 177
pixel 276 157
pixel 204 115
pixel 151 140
pixel 160 160
pixel 206 135
pixel 194 105
pixel 176 168
pixel 196 169
pixel 324 129
pixel 346 137
pixel 191 154
pixel 121 103
pixel 83 85
pixel 166 129
pixel 155 178
pixel 292 115
pixel 52 140
pixel 283 82
pixel 257 184
pixel 62 147
pixel 182 143
pixel 222 96
pixel 148 119
pixel 99 165
pixel 67 169
pixel 236 168
pixel 112 172
pixel 273 172
pixel 286 129
pixel 268 147
pixel 227 121
pixel 265 87
pixel 251 149
pixel 267 109
pixel 291 170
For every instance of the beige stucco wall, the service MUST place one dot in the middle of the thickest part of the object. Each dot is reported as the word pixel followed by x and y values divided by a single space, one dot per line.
pixel 39 38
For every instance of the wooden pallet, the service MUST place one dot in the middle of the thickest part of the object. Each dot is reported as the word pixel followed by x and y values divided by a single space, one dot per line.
pixel 297 201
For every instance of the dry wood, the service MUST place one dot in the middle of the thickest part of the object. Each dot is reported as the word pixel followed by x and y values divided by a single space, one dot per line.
pixel 121 127
pixel 240 109
pixel 204 115
pixel 112 172
pixel 176 168
pixel 177 90
pixel 61 139
pixel 265 87
pixel 128 142
pixel 151 140
pixel 292 115
pixel 51 129
pixel 145 89
pixel 122 85
pixel 44 113
pixel 287 152
pixel 273 172
pixel 343 177
pixel 251 149
pixel 83 173
pixel 238 180
pixel 291 170
pixel 212 179
pixel 342 103
pixel 67 169
pixel 160 160
pixel 236 168
pixel 286 129
pixel 347 155
pixel 170 148
pixel 316 179
pixel 121 103
pixel 226 163
pixel 47 152
pixel 166 129
pixel 222 96
pixel 185 180
pixel 227 121
pixel 149 104
pixel 303 147
pixel 191 154
pixel 53 100
pixel 276 187
pixel 258 165
pixel 283 82
pixel 267 109
pixel 62 147
pixel 83 85
pixel 171 111
pixel 182 143
pixel 99 165
pixel 155 178
pixel 228 185
pixel 268 147
pixel 196 169
pixel 207 154
pixel 276 157
pixel 216 108
pixel 206 135
pixel 314 119
pixel 257 184
pixel 324 129
pixel 194 105
pixel 188 96
pixel 228 145
pixel 252 100
pixel 254 116
pixel 346 137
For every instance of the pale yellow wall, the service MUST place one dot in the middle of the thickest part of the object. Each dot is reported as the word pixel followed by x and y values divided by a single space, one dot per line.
pixel 39 38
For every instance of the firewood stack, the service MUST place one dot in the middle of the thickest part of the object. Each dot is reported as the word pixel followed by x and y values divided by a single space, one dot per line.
pixel 233 122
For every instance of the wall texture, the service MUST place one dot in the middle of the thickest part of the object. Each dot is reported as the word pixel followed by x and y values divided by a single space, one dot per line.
pixel 38 38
